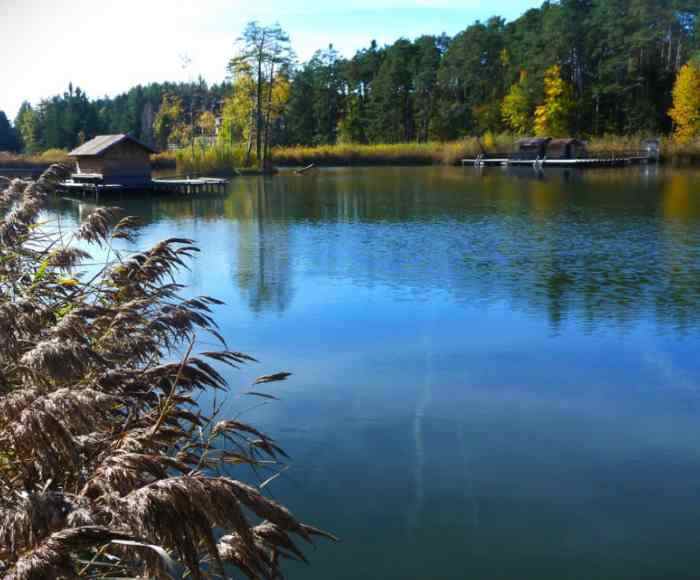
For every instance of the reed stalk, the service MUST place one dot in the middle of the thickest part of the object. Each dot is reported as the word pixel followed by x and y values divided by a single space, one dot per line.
pixel 108 464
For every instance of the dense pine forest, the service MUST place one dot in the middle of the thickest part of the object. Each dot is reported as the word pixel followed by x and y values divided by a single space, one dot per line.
pixel 583 67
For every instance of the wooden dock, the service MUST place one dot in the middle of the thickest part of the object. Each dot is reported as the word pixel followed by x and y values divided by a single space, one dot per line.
pixel 610 160
pixel 191 186
pixel 85 185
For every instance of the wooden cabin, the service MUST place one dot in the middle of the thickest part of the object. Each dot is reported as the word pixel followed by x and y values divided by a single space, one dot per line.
pixel 566 149
pixel 113 160
pixel 531 148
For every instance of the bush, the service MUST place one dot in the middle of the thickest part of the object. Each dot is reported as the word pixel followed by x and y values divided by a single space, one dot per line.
pixel 107 462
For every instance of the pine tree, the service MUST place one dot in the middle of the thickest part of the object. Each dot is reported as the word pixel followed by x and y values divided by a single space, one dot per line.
pixel 686 103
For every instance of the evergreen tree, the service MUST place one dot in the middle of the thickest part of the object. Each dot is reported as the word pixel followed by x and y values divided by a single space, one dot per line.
pixel 8 137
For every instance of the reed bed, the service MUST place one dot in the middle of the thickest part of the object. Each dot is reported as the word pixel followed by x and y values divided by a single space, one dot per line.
pixel 430 153
pixel 43 160
pixel 222 159
pixel 108 465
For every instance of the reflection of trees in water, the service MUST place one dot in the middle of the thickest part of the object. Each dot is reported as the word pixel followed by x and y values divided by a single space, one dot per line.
pixel 601 246
pixel 599 250
pixel 264 271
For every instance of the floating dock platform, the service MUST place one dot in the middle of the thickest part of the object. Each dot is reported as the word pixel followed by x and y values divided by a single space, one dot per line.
pixel 582 162
pixel 82 184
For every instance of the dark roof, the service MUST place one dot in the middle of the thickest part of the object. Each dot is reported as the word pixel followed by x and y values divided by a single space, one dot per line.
pixel 566 141
pixel 100 144
pixel 532 141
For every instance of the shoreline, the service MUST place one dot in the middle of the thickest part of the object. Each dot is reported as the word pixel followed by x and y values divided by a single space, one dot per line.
pixel 386 155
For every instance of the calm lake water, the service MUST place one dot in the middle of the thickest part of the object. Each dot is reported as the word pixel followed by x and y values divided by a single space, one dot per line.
pixel 496 375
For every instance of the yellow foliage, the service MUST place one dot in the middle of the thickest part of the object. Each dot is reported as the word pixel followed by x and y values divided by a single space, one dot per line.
pixel 68 282
pixel 516 110
pixel 686 103
pixel 207 122
pixel 237 118
pixel 552 116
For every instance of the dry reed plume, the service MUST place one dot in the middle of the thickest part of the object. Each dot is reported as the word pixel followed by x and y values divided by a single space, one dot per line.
pixel 108 466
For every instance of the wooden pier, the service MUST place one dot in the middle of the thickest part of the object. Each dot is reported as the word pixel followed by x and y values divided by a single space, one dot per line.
pixel 190 186
pixel 583 162
pixel 183 186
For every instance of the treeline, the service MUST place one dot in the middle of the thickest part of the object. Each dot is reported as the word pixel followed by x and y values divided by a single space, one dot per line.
pixel 65 121
pixel 584 67
pixel 591 66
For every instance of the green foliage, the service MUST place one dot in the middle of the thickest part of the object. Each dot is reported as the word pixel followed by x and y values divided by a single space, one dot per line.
pixel 168 126
pixel 222 158
pixel 9 140
pixel 516 108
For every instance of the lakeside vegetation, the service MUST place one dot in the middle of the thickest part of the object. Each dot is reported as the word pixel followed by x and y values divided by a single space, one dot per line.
pixel 223 159
pixel 109 465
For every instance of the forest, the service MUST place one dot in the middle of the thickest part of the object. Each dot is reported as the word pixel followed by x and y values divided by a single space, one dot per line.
pixel 579 67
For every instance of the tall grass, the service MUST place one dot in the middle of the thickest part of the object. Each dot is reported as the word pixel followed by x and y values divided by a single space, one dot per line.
pixel 430 153
pixel 43 159
pixel 221 158
pixel 109 467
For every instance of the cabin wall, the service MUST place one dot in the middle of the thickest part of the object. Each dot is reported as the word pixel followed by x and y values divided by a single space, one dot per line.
pixel 125 163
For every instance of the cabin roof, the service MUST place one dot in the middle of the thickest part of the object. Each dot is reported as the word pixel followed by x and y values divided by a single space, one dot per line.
pixel 532 141
pixel 566 141
pixel 98 145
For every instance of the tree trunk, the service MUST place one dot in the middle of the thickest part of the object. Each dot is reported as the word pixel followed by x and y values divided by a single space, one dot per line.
pixel 258 99
pixel 268 115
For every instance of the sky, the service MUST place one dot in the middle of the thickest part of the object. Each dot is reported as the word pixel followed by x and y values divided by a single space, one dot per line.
pixel 107 46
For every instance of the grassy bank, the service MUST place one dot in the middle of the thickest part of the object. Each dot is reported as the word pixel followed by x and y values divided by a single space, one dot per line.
pixel 38 161
pixel 230 159
pixel 430 153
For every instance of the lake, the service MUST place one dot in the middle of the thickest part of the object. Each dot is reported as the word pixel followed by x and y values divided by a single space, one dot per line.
pixel 495 373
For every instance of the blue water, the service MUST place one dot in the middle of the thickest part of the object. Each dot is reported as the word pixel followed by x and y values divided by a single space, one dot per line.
pixel 495 374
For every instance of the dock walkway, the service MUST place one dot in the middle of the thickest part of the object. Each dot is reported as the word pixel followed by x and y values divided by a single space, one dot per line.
pixel 583 162
pixel 187 186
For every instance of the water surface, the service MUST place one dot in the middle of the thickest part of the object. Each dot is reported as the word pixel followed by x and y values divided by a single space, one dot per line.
pixel 495 374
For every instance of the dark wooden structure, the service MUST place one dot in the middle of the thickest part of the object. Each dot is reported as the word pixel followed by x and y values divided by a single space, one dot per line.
pixel 544 151
pixel 113 160
pixel 531 148
pixel 566 149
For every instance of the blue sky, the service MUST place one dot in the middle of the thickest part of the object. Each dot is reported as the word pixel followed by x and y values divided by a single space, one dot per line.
pixel 105 47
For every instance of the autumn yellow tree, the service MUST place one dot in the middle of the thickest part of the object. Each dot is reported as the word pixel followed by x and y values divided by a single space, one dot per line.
pixel 206 122
pixel 516 109
pixel 686 103
pixel 168 125
pixel 552 116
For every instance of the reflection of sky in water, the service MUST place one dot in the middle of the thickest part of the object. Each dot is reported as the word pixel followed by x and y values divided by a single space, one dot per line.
pixel 495 375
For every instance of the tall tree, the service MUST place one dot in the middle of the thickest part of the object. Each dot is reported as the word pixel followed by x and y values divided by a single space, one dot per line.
pixel 8 137
pixel 686 103
pixel 516 108
pixel 552 117
pixel 261 51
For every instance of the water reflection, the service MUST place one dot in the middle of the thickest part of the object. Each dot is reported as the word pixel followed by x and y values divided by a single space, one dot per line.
pixel 611 246
pixel 264 246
